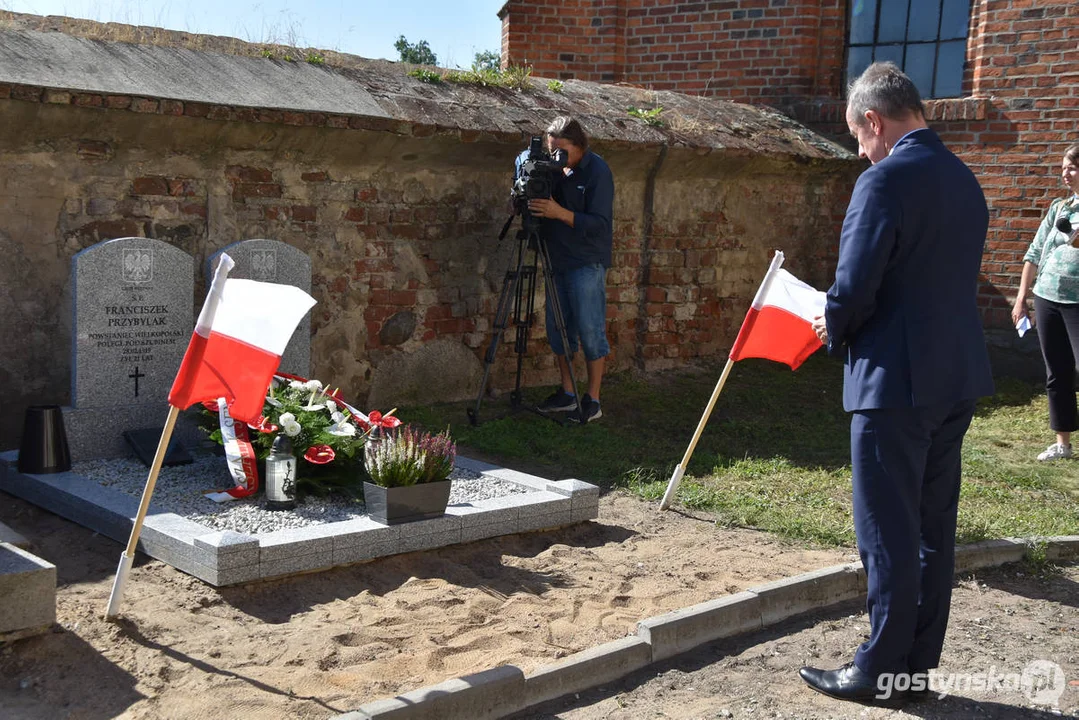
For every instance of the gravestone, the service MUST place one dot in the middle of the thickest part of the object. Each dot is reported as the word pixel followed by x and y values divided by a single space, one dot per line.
pixel 132 301
pixel 275 262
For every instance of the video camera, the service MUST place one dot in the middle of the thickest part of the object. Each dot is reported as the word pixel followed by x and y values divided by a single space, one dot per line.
pixel 537 173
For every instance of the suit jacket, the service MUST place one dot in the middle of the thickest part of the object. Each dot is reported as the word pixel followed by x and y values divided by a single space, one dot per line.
pixel 903 308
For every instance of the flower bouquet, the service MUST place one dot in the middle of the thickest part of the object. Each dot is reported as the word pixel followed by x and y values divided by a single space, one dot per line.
pixel 327 434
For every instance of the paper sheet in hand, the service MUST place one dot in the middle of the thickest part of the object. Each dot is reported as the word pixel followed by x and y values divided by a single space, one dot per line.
pixel 1023 325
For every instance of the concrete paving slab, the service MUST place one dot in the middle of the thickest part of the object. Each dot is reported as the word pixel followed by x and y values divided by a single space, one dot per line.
pixel 680 630
pixel 791 596
pixel 481 696
pixel 589 668
pixel 27 592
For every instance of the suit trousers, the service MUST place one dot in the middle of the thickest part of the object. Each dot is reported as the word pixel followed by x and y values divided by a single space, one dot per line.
pixel 907 467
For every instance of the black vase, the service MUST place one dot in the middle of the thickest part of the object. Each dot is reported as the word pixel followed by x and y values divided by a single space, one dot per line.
pixel 391 506
pixel 44 441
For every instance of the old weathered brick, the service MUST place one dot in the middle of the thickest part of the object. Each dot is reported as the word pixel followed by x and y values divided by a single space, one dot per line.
pixel 152 185
pixel 243 173
pixel 304 213
pixel 144 105
pixel 246 190
pixel 319 176
pixel 93 150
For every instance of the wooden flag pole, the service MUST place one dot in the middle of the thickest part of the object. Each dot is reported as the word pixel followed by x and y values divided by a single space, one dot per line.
pixel 680 469
pixel 128 556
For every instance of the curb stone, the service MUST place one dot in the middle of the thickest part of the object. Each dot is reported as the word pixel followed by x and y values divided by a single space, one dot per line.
pixel 506 690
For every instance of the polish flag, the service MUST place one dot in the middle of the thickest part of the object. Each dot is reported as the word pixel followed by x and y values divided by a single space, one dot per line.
pixel 778 325
pixel 240 335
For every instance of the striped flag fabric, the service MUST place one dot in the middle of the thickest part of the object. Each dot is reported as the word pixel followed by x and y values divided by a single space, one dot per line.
pixel 778 325
pixel 236 347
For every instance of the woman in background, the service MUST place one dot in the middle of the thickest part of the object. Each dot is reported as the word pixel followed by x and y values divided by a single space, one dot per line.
pixel 1053 258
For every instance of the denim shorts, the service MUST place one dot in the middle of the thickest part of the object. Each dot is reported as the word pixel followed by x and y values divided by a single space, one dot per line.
pixel 582 293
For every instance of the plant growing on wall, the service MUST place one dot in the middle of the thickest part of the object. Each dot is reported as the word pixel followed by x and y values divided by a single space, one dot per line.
pixel 556 86
pixel 649 117
pixel 425 75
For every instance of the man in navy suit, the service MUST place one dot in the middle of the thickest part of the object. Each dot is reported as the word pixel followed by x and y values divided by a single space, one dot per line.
pixel 903 314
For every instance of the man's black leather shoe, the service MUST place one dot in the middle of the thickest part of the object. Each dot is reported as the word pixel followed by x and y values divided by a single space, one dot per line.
pixel 850 683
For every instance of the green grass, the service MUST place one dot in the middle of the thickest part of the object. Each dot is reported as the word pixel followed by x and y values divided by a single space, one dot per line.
pixel 775 453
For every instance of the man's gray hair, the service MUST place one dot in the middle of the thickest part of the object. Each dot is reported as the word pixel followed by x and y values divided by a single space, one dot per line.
pixel 885 88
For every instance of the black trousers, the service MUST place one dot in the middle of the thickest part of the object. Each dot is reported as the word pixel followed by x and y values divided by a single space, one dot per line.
pixel 1058 335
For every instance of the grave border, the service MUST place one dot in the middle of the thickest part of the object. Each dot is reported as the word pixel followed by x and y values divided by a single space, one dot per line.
pixel 225 557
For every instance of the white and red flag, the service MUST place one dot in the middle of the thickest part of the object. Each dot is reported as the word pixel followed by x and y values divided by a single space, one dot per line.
pixel 241 332
pixel 779 324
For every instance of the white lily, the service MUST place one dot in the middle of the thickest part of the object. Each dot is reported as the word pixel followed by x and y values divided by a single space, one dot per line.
pixel 342 429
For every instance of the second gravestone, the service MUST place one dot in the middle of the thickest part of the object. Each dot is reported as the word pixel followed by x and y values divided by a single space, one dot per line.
pixel 132 300
pixel 275 262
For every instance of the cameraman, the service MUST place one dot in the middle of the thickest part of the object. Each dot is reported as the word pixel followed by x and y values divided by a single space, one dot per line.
pixel 576 222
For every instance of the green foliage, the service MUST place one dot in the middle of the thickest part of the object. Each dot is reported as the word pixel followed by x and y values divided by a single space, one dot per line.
pixel 474 77
pixel 418 54
pixel 315 59
pixel 409 457
pixel 487 60
pixel 266 53
pixel 650 117
pixel 517 77
pixel 556 86
pixel 425 75
pixel 775 454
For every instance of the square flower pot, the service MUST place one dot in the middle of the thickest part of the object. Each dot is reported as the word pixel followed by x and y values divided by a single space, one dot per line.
pixel 391 506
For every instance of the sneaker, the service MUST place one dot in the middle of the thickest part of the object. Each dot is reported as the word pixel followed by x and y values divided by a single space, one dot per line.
pixel 590 408
pixel 559 401
pixel 1056 451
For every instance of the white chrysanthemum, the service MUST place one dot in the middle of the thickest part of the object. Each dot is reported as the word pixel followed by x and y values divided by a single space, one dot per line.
pixel 286 418
pixel 314 385
pixel 296 385
pixel 292 429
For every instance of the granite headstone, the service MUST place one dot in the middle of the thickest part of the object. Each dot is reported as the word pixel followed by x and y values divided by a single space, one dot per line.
pixel 276 262
pixel 132 301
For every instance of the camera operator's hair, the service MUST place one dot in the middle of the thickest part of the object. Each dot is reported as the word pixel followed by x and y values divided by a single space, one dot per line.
pixel 1072 154
pixel 568 128
pixel 885 88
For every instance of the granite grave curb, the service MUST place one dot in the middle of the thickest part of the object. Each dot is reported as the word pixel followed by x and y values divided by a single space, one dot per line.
pixel 506 690
pixel 225 557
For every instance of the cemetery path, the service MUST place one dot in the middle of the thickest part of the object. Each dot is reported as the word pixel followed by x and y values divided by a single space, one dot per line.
pixel 315 645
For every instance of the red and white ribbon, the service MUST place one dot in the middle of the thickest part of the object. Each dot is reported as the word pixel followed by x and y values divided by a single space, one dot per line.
pixel 240 456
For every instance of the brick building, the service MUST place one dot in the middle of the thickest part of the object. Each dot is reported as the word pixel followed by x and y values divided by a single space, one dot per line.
pixel 1001 77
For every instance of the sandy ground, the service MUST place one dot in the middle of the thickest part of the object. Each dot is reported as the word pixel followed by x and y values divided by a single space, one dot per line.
pixel 324 643
pixel 1003 619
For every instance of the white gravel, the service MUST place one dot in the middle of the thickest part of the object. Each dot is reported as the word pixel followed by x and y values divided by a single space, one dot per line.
pixel 180 489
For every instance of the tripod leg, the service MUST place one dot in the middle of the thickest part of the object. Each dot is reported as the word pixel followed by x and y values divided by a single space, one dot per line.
pixel 510 293
pixel 559 319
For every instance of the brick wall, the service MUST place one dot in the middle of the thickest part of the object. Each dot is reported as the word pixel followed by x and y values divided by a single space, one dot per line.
pixel 776 52
pixel 1021 84
pixel 398 218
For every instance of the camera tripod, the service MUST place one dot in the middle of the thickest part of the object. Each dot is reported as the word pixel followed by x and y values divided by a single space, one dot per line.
pixel 519 295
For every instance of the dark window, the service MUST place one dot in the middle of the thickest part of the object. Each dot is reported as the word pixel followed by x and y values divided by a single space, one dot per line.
pixel 927 38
